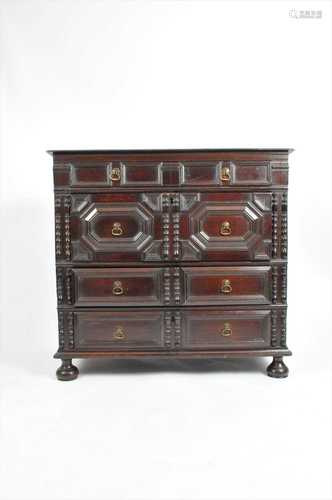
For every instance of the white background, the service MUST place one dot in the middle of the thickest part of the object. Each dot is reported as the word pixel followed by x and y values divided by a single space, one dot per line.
pixel 125 74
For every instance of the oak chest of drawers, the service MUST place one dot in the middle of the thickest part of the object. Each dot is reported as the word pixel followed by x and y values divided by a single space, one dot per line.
pixel 171 253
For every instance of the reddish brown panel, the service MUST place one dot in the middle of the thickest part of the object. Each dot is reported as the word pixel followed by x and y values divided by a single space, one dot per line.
pixel 112 330
pixel 227 285
pixel 122 287
pixel 213 225
pixel 252 173
pixel 135 174
pixel 89 175
pixel 226 329
pixel 105 225
pixel 83 172
pixel 200 173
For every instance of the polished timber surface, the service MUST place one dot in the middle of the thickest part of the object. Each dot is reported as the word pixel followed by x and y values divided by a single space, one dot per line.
pixel 171 253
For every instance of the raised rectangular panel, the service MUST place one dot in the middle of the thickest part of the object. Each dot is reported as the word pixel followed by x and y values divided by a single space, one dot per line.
pixel 250 173
pixel 88 175
pixel 227 285
pixel 135 174
pixel 207 329
pixel 200 173
pixel 118 287
pixel 114 330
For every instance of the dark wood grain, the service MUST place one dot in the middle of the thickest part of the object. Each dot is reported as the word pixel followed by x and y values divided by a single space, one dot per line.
pixel 226 285
pixel 178 354
pixel 171 253
pixel 119 287
pixel 141 223
pixel 113 330
pixel 163 169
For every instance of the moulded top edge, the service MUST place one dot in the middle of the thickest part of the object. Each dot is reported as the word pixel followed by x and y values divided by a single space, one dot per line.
pixel 145 151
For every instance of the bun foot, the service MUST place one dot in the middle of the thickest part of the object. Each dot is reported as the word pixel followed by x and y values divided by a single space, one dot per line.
pixel 277 368
pixel 67 371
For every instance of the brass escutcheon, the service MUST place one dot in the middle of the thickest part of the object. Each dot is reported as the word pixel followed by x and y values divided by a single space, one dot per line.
pixel 119 333
pixel 115 174
pixel 227 330
pixel 225 174
pixel 117 229
pixel 225 228
pixel 226 286
pixel 117 288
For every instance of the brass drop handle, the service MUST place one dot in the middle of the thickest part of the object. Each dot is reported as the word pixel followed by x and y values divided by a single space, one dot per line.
pixel 225 174
pixel 225 228
pixel 226 286
pixel 117 288
pixel 119 333
pixel 227 330
pixel 115 174
pixel 117 229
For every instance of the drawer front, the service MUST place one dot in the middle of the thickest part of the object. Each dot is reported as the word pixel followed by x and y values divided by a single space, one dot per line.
pixel 227 285
pixel 226 173
pixel 110 173
pixel 121 287
pixel 154 171
pixel 223 226
pixel 206 329
pixel 118 227
pixel 116 174
pixel 124 330
pixel 170 226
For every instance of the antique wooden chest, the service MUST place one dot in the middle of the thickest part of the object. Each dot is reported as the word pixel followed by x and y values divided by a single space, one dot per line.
pixel 171 253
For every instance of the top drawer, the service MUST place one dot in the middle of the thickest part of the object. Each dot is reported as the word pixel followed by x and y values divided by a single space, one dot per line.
pixel 99 172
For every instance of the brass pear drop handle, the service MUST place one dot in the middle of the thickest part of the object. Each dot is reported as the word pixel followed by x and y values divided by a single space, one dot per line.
pixel 115 174
pixel 226 286
pixel 117 288
pixel 225 174
pixel 227 330
pixel 119 333
pixel 225 228
pixel 117 229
